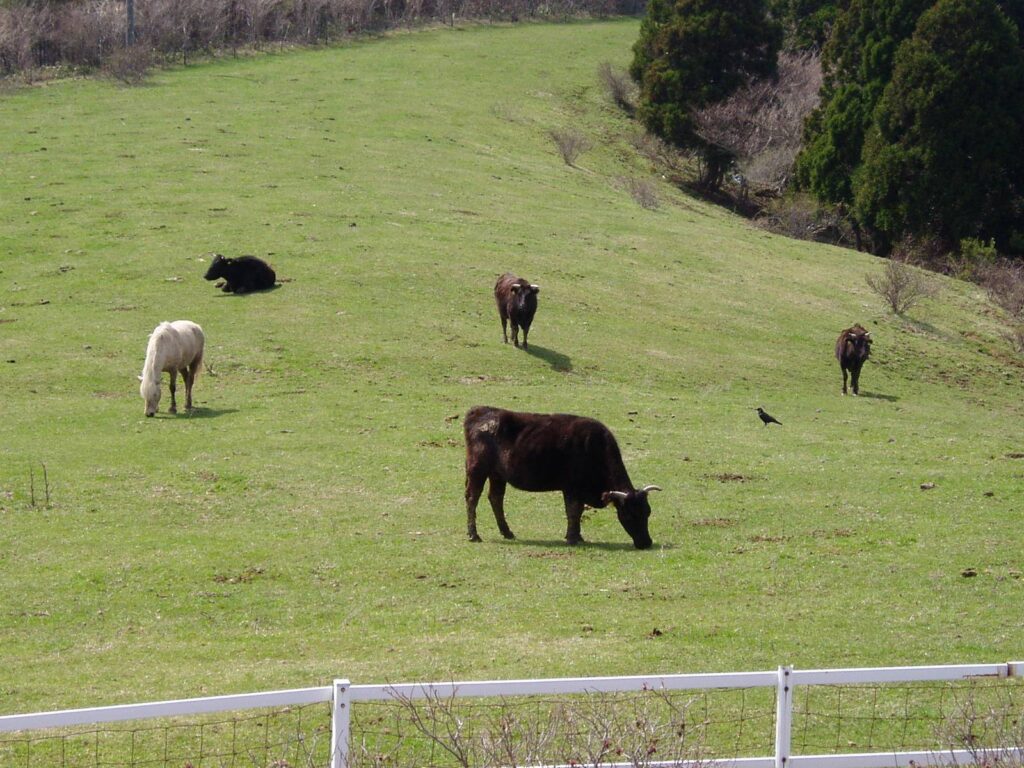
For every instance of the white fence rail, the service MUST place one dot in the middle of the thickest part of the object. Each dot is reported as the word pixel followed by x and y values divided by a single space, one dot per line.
pixel 784 680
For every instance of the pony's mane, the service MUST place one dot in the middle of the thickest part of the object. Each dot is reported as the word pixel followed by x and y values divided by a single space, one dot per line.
pixel 153 366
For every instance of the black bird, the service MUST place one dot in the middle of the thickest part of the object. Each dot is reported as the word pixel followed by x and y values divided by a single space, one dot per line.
pixel 767 418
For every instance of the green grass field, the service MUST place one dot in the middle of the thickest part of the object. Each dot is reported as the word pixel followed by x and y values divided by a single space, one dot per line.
pixel 307 522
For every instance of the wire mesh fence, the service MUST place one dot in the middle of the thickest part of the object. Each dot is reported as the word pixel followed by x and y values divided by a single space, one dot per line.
pixel 905 717
pixel 588 729
pixel 288 737
pixel 407 726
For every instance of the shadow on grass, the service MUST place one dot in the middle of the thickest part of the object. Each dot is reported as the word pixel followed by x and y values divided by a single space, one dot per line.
pixel 200 412
pixel 556 360
pixel 275 287
pixel 606 546
pixel 879 396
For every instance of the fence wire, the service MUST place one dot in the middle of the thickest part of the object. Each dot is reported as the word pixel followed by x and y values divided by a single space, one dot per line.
pixel 908 717
pixel 290 737
pixel 638 729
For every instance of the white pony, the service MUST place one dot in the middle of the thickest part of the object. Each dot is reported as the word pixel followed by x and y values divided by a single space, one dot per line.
pixel 173 347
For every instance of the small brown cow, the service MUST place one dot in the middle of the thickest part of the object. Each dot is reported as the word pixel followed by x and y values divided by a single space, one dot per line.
pixel 853 347
pixel 517 301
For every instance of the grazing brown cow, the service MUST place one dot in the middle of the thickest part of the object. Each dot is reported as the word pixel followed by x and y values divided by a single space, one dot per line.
pixel 853 347
pixel 550 452
pixel 517 301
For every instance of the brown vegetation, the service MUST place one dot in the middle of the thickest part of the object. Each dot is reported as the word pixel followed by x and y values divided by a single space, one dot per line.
pixel 570 144
pixel 86 33
pixel 900 285
pixel 761 125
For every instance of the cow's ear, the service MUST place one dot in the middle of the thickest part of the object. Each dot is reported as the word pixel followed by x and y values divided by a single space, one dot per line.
pixel 535 288
pixel 515 288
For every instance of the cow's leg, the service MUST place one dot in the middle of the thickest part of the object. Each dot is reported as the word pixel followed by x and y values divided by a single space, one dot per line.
pixel 174 386
pixel 526 332
pixel 573 514
pixel 504 327
pixel 515 333
pixel 855 380
pixel 474 487
pixel 844 379
pixel 496 495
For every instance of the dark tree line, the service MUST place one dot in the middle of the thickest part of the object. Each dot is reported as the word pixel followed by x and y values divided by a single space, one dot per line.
pixel 920 124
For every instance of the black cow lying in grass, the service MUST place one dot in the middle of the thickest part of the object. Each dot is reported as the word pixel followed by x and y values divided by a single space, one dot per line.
pixel 241 275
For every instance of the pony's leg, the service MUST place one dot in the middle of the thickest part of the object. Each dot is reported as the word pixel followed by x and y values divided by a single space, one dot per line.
pixel 174 385
pixel 189 375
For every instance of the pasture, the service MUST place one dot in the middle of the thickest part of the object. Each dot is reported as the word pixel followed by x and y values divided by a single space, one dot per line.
pixel 307 521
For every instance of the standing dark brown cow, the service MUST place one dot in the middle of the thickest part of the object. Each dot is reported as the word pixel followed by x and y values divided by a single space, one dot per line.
pixel 557 452
pixel 853 347
pixel 517 301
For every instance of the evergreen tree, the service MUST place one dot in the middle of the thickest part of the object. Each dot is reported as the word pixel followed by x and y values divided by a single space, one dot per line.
pixel 691 53
pixel 858 61
pixel 943 155
pixel 807 23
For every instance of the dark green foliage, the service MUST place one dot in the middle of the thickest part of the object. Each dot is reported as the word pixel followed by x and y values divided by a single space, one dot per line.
pixel 943 154
pixel 691 53
pixel 858 64
pixel 807 23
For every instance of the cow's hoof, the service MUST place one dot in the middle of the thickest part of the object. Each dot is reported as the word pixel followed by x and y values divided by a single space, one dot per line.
pixel 508 534
pixel 474 537
pixel 575 542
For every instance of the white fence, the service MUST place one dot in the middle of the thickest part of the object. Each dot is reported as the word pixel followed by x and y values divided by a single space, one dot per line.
pixel 784 680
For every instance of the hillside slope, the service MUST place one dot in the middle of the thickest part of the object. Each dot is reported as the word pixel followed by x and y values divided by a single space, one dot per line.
pixel 307 521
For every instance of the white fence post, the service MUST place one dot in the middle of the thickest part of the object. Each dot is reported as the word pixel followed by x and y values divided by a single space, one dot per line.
pixel 341 711
pixel 783 716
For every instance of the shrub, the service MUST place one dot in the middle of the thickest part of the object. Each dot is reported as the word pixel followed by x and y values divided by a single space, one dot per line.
pixel 129 65
pixel 900 285
pixel 643 191
pixel 570 143
pixel 619 86
pixel 1004 282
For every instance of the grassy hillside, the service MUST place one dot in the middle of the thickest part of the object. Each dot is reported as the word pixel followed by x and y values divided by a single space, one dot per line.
pixel 307 521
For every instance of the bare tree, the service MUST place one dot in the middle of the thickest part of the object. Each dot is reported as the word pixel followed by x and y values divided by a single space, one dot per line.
pixel 620 87
pixel 901 285
pixel 638 729
pixel 570 143
pixel 762 125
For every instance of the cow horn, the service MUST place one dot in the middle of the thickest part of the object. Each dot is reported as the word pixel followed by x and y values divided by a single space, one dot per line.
pixel 515 288
pixel 647 488
pixel 535 288
pixel 618 494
